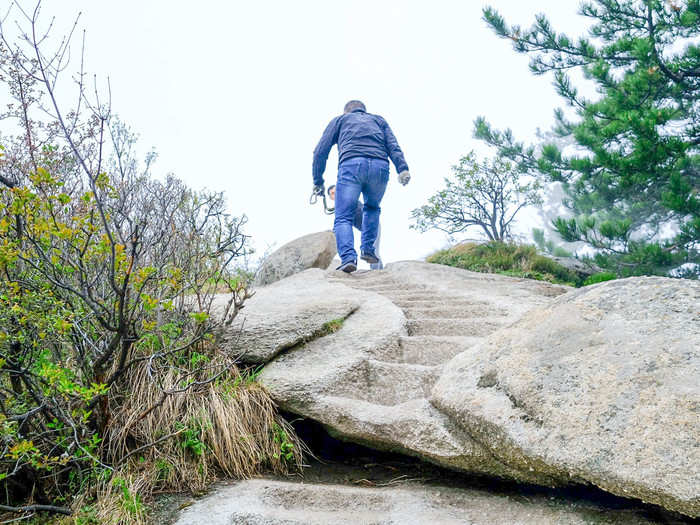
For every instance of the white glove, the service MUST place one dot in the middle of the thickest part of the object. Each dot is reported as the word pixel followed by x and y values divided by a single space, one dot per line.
pixel 404 177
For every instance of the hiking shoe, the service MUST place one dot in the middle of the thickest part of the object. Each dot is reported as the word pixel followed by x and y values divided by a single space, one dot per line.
pixel 369 257
pixel 348 267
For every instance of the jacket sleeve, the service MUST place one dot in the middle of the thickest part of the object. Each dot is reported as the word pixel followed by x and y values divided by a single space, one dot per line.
pixel 329 138
pixel 392 147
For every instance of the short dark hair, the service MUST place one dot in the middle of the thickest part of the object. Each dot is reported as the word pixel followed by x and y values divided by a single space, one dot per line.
pixel 353 105
pixel 331 187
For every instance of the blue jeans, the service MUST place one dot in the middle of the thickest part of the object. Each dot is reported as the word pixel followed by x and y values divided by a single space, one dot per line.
pixel 358 175
pixel 378 265
pixel 357 223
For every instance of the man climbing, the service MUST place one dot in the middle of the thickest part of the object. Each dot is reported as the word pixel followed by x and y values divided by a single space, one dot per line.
pixel 357 223
pixel 364 143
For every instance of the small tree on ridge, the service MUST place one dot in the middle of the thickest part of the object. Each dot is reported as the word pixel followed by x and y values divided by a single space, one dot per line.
pixel 487 194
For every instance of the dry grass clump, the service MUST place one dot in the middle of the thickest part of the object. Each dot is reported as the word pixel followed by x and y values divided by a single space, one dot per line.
pixel 183 441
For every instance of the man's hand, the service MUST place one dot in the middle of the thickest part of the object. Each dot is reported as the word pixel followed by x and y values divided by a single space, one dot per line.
pixel 404 177
pixel 319 189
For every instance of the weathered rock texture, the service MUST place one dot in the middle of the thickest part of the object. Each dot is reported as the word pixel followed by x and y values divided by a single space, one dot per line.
pixel 270 502
pixel 315 250
pixel 582 268
pixel 286 314
pixel 501 376
pixel 602 386
pixel 370 381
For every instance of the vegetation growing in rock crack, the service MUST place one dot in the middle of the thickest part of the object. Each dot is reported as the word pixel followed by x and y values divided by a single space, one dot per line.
pixel 112 384
pixel 332 326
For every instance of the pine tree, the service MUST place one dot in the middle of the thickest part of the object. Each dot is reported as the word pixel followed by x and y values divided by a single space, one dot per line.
pixel 633 183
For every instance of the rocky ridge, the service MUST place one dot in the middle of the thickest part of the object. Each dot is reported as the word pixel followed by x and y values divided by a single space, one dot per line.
pixel 495 375
pixel 370 382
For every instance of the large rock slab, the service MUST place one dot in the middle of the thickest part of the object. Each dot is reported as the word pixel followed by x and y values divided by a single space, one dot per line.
pixel 272 502
pixel 286 314
pixel 370 381
pixel 315 250
pixel 601 386
pixel 582 268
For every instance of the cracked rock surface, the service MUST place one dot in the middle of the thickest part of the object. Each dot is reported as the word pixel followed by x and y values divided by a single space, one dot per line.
pixel 285 314
pixel 601 386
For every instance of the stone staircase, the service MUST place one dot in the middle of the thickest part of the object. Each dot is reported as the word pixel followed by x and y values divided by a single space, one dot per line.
pixel 439 325
pixel 371 382
pixel 427 362
pixel 395 383
pixel 506 377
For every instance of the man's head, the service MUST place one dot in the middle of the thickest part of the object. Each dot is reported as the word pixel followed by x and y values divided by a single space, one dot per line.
pixel 353 105
pixel 331 192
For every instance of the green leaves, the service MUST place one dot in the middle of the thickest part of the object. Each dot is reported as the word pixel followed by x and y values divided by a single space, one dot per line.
pixel 636 173
pixel 568 229
pixel 199 317
pixel 504 258
pixel 101 266
pixel 282 440
pixel 92 287
pixel 615 230
pixel 485 194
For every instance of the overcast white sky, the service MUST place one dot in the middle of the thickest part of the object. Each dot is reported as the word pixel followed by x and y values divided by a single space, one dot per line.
pixel 235 95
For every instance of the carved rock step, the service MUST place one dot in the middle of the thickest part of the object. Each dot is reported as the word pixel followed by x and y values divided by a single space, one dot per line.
pixel 444 311
pixel 382 286
pixel 428 302
pixel 401 293
pixel 454 327
pixel 388 384
pixel 431 350
pixel 359 279
pixel 371 382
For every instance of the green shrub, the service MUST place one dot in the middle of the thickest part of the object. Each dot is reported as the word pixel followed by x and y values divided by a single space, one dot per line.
pixel 599 278
pixel 108 334
pixel 516 260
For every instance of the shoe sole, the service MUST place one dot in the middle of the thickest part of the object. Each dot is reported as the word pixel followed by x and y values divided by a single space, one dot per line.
pixel 369 258
pixel 347 268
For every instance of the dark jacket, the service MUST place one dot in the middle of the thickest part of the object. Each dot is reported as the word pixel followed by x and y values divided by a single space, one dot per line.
pixel 357 134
